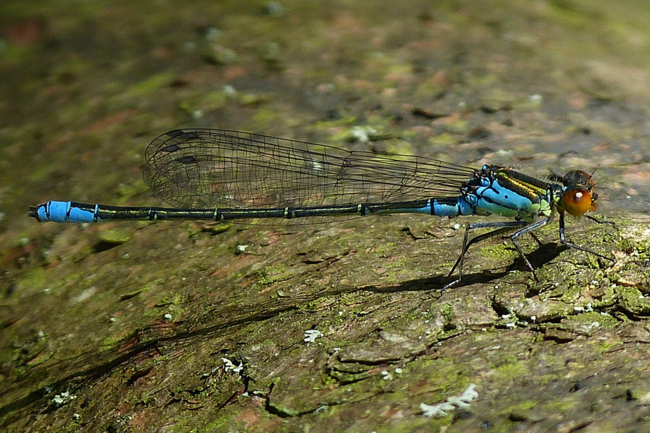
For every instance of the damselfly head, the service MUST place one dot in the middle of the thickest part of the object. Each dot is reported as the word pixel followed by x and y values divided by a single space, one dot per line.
pixel 578 196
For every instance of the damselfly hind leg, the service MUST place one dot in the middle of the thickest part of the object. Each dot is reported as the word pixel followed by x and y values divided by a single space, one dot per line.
pixel 502 227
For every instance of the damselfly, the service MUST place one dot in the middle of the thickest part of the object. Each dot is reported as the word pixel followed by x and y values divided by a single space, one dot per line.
pixel 213 174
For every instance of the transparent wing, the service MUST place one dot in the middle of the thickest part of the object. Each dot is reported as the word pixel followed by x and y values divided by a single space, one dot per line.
pixel 212 168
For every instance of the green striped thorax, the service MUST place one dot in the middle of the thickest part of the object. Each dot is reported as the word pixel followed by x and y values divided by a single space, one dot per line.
pixel 502 191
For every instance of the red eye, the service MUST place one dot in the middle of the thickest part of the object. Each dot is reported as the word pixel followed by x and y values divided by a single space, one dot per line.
pixel 578 201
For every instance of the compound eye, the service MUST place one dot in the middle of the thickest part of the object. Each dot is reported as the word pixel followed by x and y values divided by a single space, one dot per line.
pixel 577 201
pixel 577 178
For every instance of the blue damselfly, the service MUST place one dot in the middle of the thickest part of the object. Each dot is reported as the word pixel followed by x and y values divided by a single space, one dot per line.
pixel 213 174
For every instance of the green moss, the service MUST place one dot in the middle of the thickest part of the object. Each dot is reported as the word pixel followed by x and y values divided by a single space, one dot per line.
pixel 37 278
pixel 214 101
pixel 511 370
pixel 428 90
pixel 448 312
pixel 442 140
pixel 604 346
pixel 522 406
pixel 566 405
pixel 150 85
pixel 170 299
pixel 499 251
pixel 275 273
pixel 266 119
pixel 386 247
pixel 458 126
pixel 115 236
pixel 604 321
pixel 252 99
pixel 127 191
